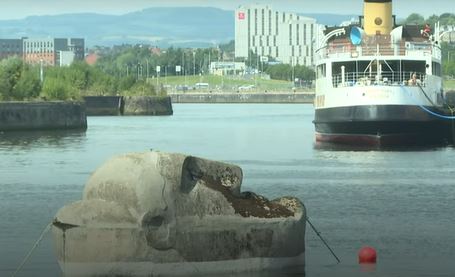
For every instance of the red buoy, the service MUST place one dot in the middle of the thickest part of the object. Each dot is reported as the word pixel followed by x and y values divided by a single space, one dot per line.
pixel 367 255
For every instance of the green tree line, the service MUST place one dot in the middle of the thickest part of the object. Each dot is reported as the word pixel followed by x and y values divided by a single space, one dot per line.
pixel 139 61
pixel 445 19
pixel 20 81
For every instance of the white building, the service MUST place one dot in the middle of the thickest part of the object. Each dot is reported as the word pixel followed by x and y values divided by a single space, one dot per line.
pixel 287 37
pixel 227 68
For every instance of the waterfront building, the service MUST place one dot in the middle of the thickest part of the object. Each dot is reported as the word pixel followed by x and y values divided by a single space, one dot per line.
pixel 227 68
pixel 287 37
pixel 10 48
pixel 49 51
pixel 53 51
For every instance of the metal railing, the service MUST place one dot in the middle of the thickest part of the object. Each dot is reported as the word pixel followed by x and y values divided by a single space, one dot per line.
pixel 384 79
pixel 384 48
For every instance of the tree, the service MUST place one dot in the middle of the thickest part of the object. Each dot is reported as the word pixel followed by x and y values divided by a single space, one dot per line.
pixel 57 88
pixel 415 18
pixel 28 86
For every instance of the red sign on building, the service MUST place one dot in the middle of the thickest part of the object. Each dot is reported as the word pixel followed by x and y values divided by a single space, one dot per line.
pixel 241 15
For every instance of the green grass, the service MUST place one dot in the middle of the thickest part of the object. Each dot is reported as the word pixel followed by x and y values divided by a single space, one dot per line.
pixel 226 83
pixel 449 84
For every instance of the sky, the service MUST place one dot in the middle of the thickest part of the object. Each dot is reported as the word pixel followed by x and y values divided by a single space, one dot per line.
pixel 16 9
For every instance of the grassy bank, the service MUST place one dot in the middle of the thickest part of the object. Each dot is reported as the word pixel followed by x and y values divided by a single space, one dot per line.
pixel 449 84
pixel 220 83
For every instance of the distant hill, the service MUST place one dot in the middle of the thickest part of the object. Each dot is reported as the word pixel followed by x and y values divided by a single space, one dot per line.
pixel 164 27
pixel 192 26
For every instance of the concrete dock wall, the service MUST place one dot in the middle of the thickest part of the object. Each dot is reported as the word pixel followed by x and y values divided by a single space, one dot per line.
pixel 24 116
pixel 147 105
pixel 130 105
pixel 104 105
pixel 263 98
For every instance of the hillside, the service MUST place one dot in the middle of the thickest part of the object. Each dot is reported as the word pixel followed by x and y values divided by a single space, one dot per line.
pixel 179 27
pixel 161 26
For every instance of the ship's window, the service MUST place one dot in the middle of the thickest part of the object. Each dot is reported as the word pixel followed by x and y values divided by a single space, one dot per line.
pixel 321 71
pixel 436 69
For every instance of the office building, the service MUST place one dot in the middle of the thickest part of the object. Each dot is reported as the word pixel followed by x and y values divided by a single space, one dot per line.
pixel 287 37
pixel 10 48
pixel 53 51
pixel 49 51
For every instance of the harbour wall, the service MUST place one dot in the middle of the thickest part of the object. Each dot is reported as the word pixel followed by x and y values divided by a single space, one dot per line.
pixel 28 116
pixel 130 105
pixel 247 98
pixel 103 105
pixel 147 105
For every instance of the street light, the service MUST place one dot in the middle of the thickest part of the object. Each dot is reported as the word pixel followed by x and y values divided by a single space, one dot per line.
pixel 41 71
pixel 194 63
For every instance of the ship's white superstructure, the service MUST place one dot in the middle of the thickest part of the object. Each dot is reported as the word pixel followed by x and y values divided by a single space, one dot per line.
pixel 381 86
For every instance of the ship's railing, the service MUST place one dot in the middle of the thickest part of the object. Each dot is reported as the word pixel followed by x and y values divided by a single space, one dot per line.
pixel 384 79
pixel 408 49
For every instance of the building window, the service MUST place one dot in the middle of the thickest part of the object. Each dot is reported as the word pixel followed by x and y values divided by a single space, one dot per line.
pixel 276 25
pixel 298 34
pixel 255 21
pixel 249 31
pixel 270 22
pixel 304 34
pixel 290 34
pixel 263 22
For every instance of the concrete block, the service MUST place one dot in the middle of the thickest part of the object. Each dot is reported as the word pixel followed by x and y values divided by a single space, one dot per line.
pixel 147 105
pixel 154 213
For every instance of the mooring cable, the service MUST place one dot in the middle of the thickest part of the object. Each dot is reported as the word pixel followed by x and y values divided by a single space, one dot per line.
pixel 431 102
pixel 323 240
pixel 48 227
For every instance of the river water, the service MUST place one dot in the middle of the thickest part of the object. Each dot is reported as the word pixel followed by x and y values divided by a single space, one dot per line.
pixel 401 202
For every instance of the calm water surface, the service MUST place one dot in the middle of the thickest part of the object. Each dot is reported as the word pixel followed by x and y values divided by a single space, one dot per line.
pixel 401 202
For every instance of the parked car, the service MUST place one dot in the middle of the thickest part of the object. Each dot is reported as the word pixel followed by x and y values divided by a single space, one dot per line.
pixel 246 87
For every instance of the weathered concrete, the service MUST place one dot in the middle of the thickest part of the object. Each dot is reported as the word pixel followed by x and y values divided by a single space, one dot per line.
pixel 103 105
pixel 249 98
pixel 27 116
pixel 147 105
pixel 154 214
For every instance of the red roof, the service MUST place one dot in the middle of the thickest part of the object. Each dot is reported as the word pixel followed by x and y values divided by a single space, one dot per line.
pixel 91 59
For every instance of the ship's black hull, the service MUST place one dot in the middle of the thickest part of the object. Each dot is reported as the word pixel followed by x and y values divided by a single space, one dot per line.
pixel 381 125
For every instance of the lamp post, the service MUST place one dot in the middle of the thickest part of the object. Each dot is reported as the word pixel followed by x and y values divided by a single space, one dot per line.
pixel 147 69
pixel 41 71
pixel 194 63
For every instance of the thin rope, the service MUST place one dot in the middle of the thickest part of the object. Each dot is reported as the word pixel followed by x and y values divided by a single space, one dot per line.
pixel 426 109
pixel 323 240
pixel 48 227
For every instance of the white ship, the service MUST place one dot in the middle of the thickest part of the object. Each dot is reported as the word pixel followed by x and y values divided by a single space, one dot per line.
pixel 379 83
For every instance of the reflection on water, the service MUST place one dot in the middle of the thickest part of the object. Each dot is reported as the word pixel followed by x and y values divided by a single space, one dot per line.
pixel 28 140
pixel 400 201
pixel 327 146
